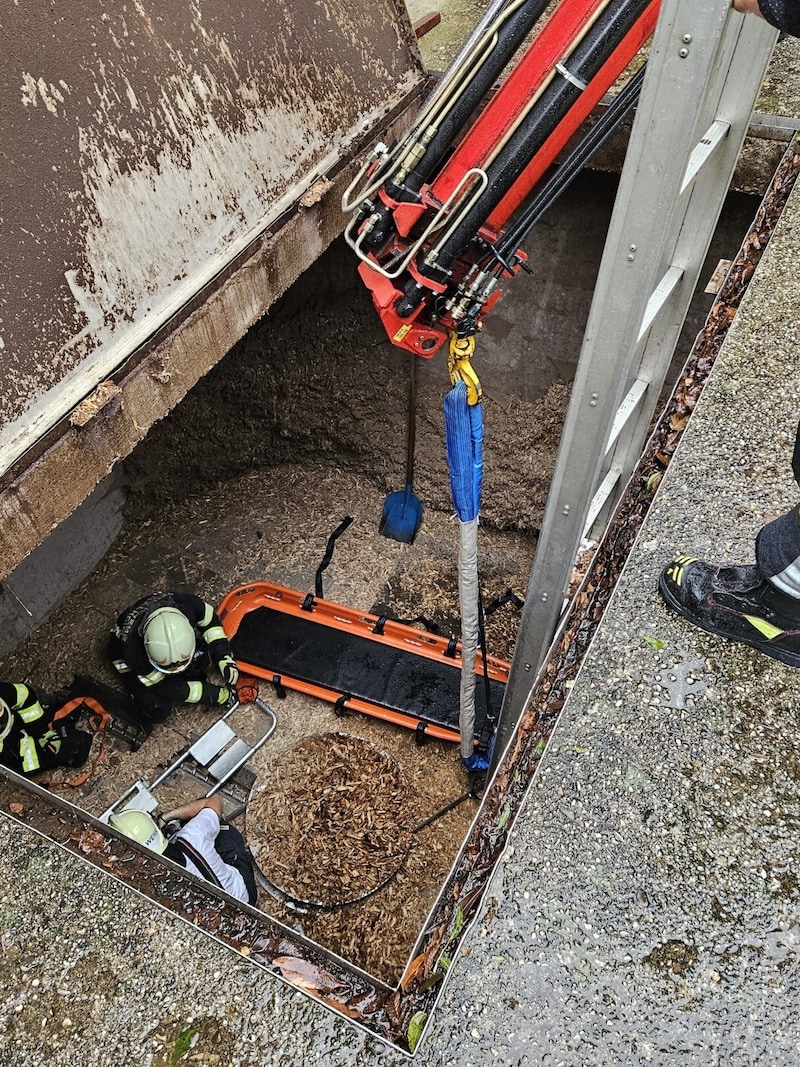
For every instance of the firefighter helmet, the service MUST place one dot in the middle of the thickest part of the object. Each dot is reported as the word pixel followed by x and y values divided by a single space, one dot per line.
pixel 6 721
pixel 169 640
pixel 139 826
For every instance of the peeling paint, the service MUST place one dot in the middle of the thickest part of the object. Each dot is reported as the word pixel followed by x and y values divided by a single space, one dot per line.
pixel 145 145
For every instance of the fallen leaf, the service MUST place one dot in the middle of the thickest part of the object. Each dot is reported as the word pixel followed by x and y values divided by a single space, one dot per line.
pixel 412 971
pixel 332 1002
pixel 91 841
pixel 307 975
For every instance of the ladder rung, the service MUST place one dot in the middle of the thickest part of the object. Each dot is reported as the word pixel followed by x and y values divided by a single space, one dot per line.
pixel 661 294
pixel 704 150
pixel 212 741
pixel 229 759
pixel 626 409
pixel 604 491
pixel 142 800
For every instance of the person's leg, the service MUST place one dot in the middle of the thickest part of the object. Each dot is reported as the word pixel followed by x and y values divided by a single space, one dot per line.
pixel 778 552
pixel 757 604
pixel 233 850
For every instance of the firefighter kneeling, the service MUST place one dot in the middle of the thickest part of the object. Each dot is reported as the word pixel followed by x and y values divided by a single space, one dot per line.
pixel 163 647
pixel 30 740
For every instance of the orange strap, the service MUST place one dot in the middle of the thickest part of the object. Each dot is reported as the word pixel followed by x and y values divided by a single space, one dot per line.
pixel 81 778
pixel 98 721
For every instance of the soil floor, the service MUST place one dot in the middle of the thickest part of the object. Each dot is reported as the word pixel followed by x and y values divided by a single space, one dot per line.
pixel 302 424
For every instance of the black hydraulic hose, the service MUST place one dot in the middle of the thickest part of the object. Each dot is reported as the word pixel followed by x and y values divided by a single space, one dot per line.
pixel 584 64
pixel 510 36
pixel 625 100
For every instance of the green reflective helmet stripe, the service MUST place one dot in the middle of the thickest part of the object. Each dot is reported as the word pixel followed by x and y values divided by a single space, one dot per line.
pixel 766 628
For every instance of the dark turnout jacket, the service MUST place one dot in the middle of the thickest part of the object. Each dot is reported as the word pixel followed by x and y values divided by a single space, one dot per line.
pixel 783 14
pixel 27 741
pixel 130 659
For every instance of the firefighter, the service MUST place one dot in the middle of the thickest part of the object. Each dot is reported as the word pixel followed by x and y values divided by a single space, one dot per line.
pixel 756 603
pixel 199 841
pixel 782 14
pixel 29 740
pixel 163 647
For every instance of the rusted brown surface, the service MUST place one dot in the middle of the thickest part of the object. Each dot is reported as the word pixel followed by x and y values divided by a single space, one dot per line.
pixel 62 471
pixel 145 151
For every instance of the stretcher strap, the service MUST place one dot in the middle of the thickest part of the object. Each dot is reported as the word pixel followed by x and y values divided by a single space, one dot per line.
pixel 340 529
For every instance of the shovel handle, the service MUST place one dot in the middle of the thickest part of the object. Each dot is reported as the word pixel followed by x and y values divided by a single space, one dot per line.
pixel 411 437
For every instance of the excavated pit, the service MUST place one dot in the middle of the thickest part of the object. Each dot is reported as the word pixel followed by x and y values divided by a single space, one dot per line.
pixel 302 424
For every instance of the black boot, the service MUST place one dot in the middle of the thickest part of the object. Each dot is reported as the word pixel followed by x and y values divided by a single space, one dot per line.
pixel 734 602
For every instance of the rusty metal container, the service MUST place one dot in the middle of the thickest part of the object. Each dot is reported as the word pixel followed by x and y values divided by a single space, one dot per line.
pixel 168 170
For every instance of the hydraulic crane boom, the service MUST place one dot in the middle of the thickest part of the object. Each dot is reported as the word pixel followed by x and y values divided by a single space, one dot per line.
pixel 439 217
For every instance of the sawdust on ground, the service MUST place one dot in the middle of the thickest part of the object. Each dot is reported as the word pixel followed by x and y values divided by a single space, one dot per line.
pixel 246 480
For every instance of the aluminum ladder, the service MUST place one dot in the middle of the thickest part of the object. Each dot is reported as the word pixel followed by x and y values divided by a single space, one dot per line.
pixel 215 757
pixel 704 73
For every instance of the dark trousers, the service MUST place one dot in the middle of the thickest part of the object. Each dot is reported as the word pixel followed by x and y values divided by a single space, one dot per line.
pixel 232 847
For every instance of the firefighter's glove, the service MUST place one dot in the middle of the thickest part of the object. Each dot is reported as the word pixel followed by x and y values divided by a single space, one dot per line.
pixel 228 670
pixel 227 697
pixel 51 742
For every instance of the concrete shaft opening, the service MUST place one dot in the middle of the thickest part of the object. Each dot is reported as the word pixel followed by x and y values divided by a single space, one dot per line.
pixel 302 423
pixel 372 847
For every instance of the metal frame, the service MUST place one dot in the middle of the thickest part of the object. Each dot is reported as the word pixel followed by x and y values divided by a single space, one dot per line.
pixel 220 752
pixel 704 73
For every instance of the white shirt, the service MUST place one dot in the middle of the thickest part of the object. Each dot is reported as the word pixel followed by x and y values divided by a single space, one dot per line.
pixel 201 832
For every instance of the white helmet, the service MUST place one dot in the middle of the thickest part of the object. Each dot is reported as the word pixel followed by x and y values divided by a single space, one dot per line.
pixel 6 721
pixel 139 826
pixel 169 640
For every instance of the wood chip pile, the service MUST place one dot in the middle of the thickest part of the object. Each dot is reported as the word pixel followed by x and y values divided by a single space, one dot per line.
pixel 333 821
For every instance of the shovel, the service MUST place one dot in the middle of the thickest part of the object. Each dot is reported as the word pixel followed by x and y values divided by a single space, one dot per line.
pixel 402 511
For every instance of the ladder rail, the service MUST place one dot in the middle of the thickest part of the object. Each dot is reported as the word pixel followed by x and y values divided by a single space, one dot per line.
pixel 214 742
pixel 706 66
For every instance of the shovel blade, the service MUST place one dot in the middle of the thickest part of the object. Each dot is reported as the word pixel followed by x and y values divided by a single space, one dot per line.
pixel 401 516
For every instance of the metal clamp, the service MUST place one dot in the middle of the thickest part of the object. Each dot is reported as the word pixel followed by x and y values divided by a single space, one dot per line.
pixel 570 77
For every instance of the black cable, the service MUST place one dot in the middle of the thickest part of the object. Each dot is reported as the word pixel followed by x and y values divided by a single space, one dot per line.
pixel 567 171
